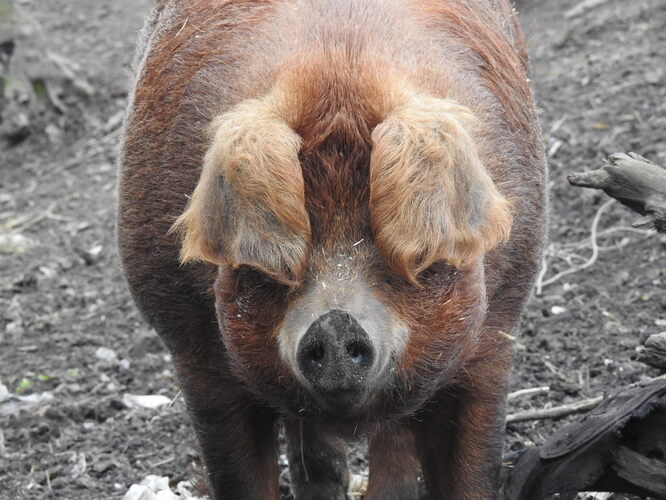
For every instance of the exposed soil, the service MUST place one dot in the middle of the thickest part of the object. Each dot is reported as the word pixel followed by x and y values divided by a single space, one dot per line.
pixel 600 80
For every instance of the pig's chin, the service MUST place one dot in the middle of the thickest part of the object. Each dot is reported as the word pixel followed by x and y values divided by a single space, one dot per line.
pixel 343 412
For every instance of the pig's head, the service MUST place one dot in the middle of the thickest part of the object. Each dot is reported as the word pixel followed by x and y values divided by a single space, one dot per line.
pixel 350 277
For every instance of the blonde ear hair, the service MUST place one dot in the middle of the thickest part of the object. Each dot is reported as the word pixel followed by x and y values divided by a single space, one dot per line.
pixel 430 196
pixel 249 205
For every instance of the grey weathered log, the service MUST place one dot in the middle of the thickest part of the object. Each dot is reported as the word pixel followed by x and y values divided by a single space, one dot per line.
pixel 644 472
pixel 624 453
pixel 653 351
pixel 640 457
pixel 633 181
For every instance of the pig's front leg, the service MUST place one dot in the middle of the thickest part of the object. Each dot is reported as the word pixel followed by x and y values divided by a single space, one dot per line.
pixel 460 440
pixel 394 467
pixel 237 436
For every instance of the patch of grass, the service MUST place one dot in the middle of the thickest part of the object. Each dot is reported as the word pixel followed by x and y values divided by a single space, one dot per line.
pixel 8 249
pixel 39 88
pixel 44 377
pixel 72 372
pixel 23 386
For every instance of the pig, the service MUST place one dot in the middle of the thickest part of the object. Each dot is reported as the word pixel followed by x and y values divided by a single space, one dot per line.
pixel 332 212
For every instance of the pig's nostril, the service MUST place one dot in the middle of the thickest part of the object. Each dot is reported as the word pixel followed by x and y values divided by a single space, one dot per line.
pixel 316 354
pixel 358 351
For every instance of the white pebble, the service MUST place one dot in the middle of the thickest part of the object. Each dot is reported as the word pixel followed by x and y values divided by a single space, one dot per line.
pixel 558 310
pixel 106 354
pixel 4 393
pixel 137 492
pixel 152 401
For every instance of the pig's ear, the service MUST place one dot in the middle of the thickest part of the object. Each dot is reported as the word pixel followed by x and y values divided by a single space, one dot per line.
pixel 249 207
pixel 431 198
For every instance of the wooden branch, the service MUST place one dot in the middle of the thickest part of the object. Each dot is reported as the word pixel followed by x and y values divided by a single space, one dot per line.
pixel 532 391
pixel 653 351
pixel 582 7
pixel 633 181
pixel 554 412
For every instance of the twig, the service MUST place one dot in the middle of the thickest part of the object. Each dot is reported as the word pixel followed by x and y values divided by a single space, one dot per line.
pixel 163 462
pixel 174 398
pixel 48 480
pixel 556 371
pixel 582 7
pixel 183 26
pixel 595 252
pixel 554 412
pixel 647 233
pixel 539 282
pixel 25 221
pixel 532 391
pixel 305 469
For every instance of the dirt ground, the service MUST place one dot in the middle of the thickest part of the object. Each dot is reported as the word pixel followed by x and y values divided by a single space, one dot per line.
pixel 600 81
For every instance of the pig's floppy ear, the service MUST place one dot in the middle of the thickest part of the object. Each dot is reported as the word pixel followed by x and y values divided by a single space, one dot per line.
pixel 248 207
pixel 430 196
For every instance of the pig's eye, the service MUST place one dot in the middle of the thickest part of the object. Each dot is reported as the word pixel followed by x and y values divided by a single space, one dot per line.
pixel 435 271
pixel 252 279
pixel 429 271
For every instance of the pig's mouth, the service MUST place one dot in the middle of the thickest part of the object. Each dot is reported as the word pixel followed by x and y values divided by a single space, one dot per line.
pixel 342 404
pixel 347 400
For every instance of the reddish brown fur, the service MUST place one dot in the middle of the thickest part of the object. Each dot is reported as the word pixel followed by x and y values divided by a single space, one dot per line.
pixel 317 103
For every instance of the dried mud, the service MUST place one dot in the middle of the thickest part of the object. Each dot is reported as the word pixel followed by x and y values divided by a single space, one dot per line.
pixel 600 82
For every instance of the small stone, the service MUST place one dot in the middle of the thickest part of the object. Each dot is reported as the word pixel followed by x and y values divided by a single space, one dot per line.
pixel 106 354
pixel 17 128
pixel 54 133
pixel 654 76
pixel 166 495
pixel 4 393
pixel 153 402
pixel 80 464
pixel 14 328
pixel 137 492
pixel 95 251
pixel 14 243
pixel 155 483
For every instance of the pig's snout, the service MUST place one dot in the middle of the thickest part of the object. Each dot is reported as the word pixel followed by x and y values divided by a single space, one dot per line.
pixel 336 356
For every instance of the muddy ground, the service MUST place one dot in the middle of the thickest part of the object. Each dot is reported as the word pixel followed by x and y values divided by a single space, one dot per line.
pixel 600 81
